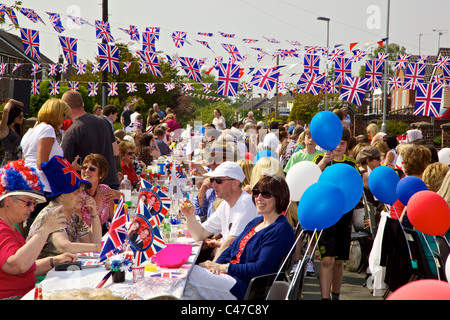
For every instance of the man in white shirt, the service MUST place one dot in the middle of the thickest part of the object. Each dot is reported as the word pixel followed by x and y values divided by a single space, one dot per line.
pixel 271 140
pixel 232 215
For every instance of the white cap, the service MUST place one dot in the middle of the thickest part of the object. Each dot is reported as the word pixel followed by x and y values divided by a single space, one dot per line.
pixel 227 169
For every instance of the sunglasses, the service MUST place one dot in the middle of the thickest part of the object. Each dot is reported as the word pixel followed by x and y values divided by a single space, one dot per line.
pixel 28 203
pixel 130 153
pixel 264 194
pixel 92 169
pixel 219 181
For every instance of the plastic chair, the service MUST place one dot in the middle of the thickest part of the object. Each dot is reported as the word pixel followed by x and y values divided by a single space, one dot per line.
pixel 441 256
pixel 422 271
pixel 259 286
pixel 278 291
pixel 297 287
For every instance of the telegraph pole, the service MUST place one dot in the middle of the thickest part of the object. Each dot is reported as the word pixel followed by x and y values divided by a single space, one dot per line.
pixel 104 73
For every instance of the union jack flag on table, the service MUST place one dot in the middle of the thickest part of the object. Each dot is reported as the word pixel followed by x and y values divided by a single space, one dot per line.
pixel 178 38
pixel 150 87
pixel 112 89
pixel 342 69
pixel 52 69
pixel 415 74
pixel 74 85
pixel 53 87
pixel 69 46
pixel 131 87
pixel 31 14
pixel 228 79
pixel 233 51
pixel 265 78
pixel 133 32
pixel 92 88
pixel 428 99
pixel 401 62
pixel 35 86
pixel 151 60
pixel 311 83
pixel 374 72
pixel 117 233
pixel 30 40
pixel 55 20
pixel 311 63
pixel 190 66
pixel 109 58
pixel 353 90
pixel 103 31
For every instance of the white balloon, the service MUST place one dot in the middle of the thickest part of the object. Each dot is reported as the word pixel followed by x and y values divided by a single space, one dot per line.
pixel 300 176
pixel 444 156
pixel 447 268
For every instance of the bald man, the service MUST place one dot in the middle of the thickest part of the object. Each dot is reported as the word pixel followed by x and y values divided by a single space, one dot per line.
pixel 89 134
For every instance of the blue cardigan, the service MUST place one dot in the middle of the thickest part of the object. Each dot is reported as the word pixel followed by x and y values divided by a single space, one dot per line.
pixel 261 255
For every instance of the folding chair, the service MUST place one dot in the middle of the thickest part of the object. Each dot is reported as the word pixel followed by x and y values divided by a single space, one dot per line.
pixel 440 256
pixel 259 286
pixel 422 270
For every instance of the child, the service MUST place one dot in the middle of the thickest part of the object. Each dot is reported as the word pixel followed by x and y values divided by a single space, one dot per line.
pixel 306 154
pixel 334 244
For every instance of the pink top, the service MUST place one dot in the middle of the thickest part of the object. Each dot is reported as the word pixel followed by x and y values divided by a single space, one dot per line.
pixel 104 214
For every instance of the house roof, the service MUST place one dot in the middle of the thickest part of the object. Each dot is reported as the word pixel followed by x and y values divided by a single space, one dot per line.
pixel 11 45
pixel 253 103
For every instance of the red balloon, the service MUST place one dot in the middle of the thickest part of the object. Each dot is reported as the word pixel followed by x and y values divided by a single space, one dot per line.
pixel 428 289
pixel 429 213
pixel 249 156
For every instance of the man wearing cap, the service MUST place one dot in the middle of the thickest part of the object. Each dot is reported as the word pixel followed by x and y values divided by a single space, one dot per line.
pixel 234 212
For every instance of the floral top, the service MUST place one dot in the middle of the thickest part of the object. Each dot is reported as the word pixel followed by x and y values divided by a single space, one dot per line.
pixel 76 229
pixel 104 214
pixel 242 245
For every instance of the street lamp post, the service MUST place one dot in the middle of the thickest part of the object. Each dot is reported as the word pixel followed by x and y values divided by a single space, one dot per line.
pixel 440 33
pixel 386 70
pixel 328 44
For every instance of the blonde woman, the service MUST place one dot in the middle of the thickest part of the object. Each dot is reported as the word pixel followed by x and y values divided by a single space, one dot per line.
pixel 372 129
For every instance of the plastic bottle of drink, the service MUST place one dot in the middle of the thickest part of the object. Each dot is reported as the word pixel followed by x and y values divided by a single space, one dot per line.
pixel 125 188
pixel 134 201
pixel 166 228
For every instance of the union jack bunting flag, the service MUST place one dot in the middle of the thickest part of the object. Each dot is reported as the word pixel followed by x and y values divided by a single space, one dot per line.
pixel 92 88
pixel 249 40
pixel 35 86
pixel 63 68
pixel 206 87
pixel 81 68
pixel 79 21
pixel 395 83
pixel 53 87
pixel 311 63
pixel 228 79
pixel 190 66
pixel 382 56
pixel 35 68
pixel 342 69
pixel 3 67
pixel 74 85
pixel 69 46
pixel 441 61
pixel 358 55
pixel 438 78
pixel 109 58
pixel 446 72
pixel 131 87
pixel 178 38
pixel 205 43
pixel 206 34
pixel 112 89
pixel 353 90
pixel 245 86
pixel 126 66
pixel 133 32
pixel 11 14
pixel 17 66
pixel 151 60
pixel 150 87
pixel 422 59
pixel 311 83
pixel 30 40
pixel 294 43
pixel 52 69
pixel 312 49
pixel 227 35
pixel 260 56
pixel 172 61
pixel 188 87
pixel 169 86
pixel 265 78
pixel 233 51
pixel 117 233
pixel 95 67
pixel 149 41
pixel 103 31
pixel 428 99
pixel 55 20
pixel 374 72
pixel 336 53
pixel 401 62
pixel 31 14
pixel 154 30
pixel 271 40
pixel 142 67
pixel 331 86
pixel 415 74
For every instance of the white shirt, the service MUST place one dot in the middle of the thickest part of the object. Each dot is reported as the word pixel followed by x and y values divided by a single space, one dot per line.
pixel 271 141
pixel 220 123
pixel 29 146
pixel 133 117
pixel 232 221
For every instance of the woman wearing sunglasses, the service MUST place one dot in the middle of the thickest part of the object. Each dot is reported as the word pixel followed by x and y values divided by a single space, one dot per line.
pixel 258 250
pixel 127 153
pixel 95 169
pixel 19 263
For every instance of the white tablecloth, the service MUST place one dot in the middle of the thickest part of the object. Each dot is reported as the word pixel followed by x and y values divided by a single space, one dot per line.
pixel 163 281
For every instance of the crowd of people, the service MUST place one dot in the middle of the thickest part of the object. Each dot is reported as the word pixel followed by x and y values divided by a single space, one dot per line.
pixel 60 181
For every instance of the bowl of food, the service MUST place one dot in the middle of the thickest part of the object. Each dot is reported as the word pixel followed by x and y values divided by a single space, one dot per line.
pixel 173 256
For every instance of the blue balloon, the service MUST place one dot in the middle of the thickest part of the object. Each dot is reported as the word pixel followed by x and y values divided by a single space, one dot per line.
pixel 321 206
pixel 348 179
pixel 262 154
pixel 407 187
pixel 383 183
pixel 326 130
pixel 201 130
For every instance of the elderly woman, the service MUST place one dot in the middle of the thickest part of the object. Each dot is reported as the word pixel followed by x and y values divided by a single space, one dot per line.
pixel 77 236
pixel 258 250
pixel 127 152
pixel 19 263
pixel 95 169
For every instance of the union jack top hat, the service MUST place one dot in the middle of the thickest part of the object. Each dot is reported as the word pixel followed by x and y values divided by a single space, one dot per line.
pixel 61 176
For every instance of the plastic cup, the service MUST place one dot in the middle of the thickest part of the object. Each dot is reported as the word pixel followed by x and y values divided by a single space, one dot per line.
pixel 138 273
